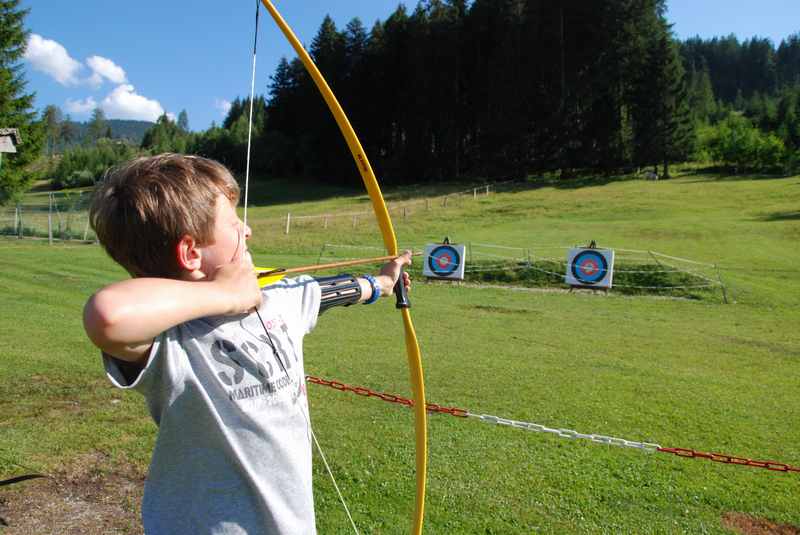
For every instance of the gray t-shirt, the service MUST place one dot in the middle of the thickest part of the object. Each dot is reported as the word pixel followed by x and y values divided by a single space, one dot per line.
pixel 233 453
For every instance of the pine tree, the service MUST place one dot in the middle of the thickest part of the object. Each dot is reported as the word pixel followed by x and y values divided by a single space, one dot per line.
pixel 788 61
pixel 183 121
pixel 701 94
pixel 16 106
pixel 52 118
pixel 68 133
pixel 664 129
pixel 98 127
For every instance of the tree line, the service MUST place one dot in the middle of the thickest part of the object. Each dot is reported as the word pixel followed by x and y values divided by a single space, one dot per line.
pixel 505 88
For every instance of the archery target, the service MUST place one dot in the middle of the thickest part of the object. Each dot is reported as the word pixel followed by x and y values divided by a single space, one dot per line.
pixel 444 261
pixel 590 267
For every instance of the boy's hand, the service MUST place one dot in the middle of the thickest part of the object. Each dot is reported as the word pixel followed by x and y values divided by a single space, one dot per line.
pixel 239 285
pixel 390 272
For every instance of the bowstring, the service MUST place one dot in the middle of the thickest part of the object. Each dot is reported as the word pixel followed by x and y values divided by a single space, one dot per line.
pixel 250 120
pixel 261 320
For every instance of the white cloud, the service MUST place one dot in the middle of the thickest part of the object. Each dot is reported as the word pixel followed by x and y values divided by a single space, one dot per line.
pixel 104 68
pixel 124 103
pixel 51 58
pixel 80 106
pixel 224 106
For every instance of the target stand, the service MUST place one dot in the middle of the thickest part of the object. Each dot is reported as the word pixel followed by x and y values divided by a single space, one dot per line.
pixel 590 268
pixel 444 261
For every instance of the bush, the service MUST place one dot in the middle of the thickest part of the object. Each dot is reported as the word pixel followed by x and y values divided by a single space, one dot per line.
pixel 736 143
pixel 83 166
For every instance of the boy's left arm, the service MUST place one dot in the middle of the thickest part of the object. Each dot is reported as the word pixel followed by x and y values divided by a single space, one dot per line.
pixel 348 290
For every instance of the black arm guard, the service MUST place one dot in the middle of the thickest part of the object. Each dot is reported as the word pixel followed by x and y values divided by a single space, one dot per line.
pixel 341 290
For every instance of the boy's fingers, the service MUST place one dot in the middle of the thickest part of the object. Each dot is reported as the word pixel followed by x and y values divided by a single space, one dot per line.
pixel 405 258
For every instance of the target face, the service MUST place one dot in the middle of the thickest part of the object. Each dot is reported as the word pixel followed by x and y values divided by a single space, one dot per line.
pixel 589 267
pixel 444 260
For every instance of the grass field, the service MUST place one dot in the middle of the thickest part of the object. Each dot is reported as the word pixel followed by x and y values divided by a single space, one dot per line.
pixel 681 373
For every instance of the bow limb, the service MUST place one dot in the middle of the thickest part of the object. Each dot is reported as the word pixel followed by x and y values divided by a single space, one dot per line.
pixel 390 242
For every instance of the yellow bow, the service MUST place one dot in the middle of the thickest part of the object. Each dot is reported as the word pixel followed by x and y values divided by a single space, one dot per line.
pixel 390 242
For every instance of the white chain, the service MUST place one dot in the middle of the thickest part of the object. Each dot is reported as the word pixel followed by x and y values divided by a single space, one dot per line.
pixel 567 433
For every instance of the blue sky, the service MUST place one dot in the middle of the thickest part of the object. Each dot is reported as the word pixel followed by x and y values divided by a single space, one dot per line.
pixel 140 59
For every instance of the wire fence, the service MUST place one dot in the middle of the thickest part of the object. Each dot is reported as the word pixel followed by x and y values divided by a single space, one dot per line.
pixel 55 216
pixel 537 265
pixel 60 215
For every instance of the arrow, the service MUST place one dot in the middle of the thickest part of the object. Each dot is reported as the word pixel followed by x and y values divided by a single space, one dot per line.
pixel 271 272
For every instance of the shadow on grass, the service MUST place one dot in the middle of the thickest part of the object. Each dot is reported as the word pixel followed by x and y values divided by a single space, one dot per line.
pixel 781 216
pixel 269 192
pixel 723 174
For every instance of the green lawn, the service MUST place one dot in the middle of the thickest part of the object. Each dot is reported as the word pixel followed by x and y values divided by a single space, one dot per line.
pixel 681 373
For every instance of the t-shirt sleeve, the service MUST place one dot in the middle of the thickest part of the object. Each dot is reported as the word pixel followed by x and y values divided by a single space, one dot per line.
pixel 157 379
pixel 301 295
pixel 309 302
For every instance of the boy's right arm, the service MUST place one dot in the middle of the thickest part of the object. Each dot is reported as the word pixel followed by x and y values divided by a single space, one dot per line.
pixel 124 318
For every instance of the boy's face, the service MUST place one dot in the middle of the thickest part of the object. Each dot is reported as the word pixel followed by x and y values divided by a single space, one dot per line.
pixel 228 240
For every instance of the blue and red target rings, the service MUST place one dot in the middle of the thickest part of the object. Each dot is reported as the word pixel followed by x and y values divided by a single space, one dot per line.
pixel 589 267
pixel 444 260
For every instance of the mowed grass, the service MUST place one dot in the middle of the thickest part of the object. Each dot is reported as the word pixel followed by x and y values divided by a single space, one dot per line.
pixel 680 373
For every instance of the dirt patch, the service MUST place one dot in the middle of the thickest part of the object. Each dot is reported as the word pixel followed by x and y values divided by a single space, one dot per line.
pixel 750 525
pixel 90 496
pixel 502 310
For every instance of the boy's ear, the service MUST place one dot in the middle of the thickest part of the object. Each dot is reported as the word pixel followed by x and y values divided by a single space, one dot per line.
pixel 187 254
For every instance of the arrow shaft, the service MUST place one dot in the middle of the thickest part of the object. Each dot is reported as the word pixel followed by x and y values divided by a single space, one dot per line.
pixel 332 265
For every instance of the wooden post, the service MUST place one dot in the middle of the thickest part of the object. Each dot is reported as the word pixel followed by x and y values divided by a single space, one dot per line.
pixel 405 212
pixel 86 228
pixel 474 193
pixel 21 223
pixel 444 202
pixel 487 189
pixel 16 219
pixel 325 222
pixel 50 219
pixel 288 222
pixel 722 285
pixel 355 221
pixel 60 233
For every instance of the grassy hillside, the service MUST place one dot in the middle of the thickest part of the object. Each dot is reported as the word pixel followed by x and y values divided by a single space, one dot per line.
pixel 680 373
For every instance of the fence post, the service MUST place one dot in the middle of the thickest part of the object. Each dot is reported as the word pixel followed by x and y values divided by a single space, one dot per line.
pixel 722 285
pixel 444 202
pixel 50 219
pixel 288 222
pixel 325 222
pixel 405 213
pixel 16 219
pixel 355 221
pixel 21 223
pixel 86 228
pixel 487 189
pixel 474 193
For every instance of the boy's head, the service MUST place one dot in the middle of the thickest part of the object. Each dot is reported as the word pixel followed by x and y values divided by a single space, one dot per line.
pixel 146 207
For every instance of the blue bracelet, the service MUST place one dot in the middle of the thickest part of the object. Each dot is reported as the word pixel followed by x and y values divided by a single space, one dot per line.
pixel 376 290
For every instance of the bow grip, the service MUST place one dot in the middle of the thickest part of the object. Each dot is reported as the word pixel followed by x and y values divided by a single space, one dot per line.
pixel 401 293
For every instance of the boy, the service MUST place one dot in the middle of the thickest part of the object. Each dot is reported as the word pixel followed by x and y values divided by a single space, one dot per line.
pixel 225 386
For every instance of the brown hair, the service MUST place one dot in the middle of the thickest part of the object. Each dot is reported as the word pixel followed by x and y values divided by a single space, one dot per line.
pixel 144 207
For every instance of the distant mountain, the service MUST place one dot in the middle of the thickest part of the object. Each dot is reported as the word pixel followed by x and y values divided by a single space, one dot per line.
pixel 132 131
